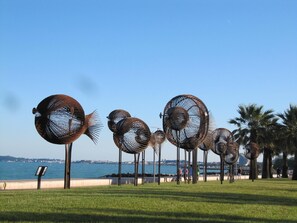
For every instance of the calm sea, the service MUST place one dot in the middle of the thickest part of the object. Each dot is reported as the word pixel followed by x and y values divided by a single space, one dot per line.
pixel 20 170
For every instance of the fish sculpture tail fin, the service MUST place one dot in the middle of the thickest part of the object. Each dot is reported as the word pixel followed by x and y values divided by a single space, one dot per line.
pixel 94 126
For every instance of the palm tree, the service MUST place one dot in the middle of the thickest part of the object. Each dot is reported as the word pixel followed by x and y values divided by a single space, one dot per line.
pixel 283 146
pixel 253 125
pixel 289 121
pixel 267 140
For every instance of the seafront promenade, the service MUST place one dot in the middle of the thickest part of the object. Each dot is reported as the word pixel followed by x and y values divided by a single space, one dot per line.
pixel 59 183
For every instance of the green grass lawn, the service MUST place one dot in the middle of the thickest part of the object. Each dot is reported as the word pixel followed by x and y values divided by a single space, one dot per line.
pixel 243 201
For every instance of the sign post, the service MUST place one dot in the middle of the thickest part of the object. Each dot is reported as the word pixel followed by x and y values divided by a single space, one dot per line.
pixel 39 173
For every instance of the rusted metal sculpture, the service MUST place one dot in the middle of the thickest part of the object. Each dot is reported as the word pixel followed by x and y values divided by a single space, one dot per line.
pixel 190 147
pixel 252 152
pixel 158 139
pixel 232 153
pixel 222 138
pixel 60 119
pixel 113 118
pixel 231 157
pixel 206 145
pixel 153 144
pixel 185 123
pixel 132 135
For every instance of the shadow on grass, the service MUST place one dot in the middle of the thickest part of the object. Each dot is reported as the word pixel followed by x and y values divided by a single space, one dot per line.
pixel 95 212
pixel 128 216
pixel 216 197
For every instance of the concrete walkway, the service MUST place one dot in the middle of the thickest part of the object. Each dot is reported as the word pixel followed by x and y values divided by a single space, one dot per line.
pixel 59 183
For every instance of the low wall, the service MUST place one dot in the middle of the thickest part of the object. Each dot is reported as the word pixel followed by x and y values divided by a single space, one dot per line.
pixel 59 183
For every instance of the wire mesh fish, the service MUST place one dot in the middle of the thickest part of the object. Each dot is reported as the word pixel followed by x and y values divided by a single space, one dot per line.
pixel 185 121
pixel 159 136
pixel 60 119
pixel 116 116
pixel 252 151
pixel 133 135
pixel 232 153
pixel 221 138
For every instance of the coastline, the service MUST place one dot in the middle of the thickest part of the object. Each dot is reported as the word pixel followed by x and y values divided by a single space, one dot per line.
pixel 79 182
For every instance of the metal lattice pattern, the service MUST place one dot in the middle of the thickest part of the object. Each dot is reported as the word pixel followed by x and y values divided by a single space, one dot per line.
pixel 185 121
pixel 60 119
pixel 252 151
pixel 221 138
pixel 223 144
pixel 152 141
pixel 114 117
pixel 207 143
pixel 232 153
pixel 159 136
pixel 132 136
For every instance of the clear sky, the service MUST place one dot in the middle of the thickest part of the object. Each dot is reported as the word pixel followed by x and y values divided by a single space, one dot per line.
pixel 137 55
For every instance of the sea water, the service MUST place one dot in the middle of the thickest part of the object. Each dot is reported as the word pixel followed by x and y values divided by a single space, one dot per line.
pixel 27 170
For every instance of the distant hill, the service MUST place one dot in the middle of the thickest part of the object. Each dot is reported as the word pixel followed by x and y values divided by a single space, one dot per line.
pixel 18 159
pixel 44 160
pixel 11 159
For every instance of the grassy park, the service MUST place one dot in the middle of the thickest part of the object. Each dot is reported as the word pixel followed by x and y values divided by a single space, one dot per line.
pixel 271 201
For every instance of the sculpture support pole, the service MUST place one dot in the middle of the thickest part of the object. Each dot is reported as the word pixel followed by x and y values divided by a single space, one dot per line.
pixel 159 169
pixel 143 166
pixel 189 167
pixel 222 169
pixel 253 172
pixel 185 167
pixel 120 168
pixel 154 167
pixel 205 153
pixel 178 158
pixel 68 149
pixel 177 166
pixel 194 166
pixel 136 160
pixel 231 173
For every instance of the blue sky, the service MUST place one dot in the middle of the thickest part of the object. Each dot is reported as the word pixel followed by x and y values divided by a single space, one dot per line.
pixel 137 55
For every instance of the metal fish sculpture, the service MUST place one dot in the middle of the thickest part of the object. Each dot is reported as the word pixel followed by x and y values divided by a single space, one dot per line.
pixel 232 153
pixel 60 119
pixel 116 116
pixel 252 151
pixel 185 124
pixel 133 135
pixel 222 138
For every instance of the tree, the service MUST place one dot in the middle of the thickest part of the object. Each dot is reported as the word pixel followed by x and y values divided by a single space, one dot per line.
pixel 253 126
pixel 289 122
pixel 267 140
pixel 278 162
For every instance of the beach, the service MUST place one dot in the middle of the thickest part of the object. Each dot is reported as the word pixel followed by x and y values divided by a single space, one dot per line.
pixel 59 183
